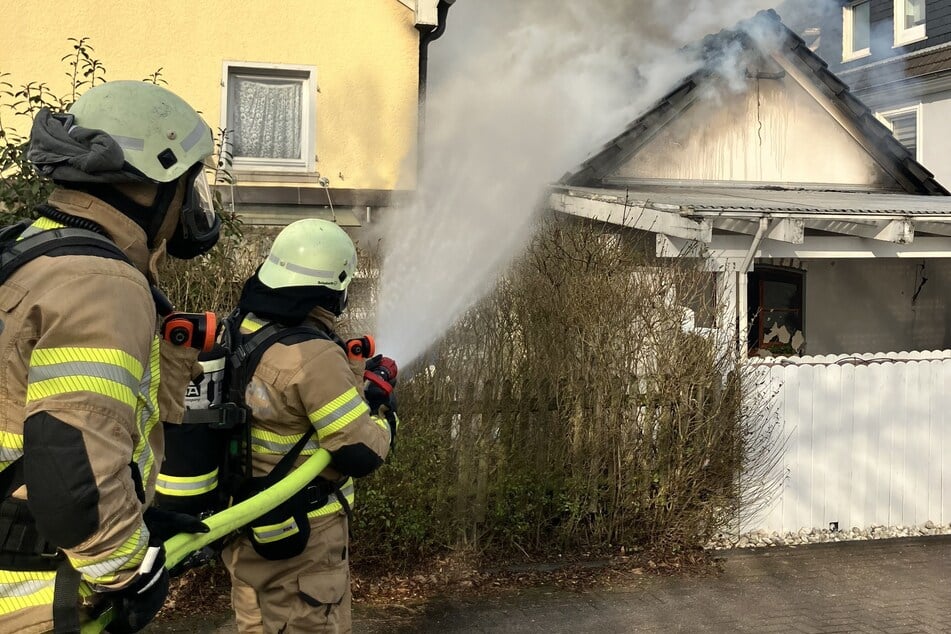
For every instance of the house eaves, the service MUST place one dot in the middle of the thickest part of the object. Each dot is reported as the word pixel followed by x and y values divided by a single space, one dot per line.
pixel 698 213
pixel 793 56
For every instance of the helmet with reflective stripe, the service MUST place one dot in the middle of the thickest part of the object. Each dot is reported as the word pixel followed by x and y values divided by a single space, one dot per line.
pixel 160 135
pixel 310 252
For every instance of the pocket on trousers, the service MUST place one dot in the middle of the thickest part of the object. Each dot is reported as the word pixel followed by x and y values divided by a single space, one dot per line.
pixel 326 587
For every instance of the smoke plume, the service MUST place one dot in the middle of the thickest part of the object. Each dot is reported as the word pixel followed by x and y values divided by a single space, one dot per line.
pixel 519 93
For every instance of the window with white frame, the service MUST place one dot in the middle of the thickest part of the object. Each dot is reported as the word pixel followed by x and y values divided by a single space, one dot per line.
pixel 904 124
pixel 856 30
pixel 909 21
pixel 269 112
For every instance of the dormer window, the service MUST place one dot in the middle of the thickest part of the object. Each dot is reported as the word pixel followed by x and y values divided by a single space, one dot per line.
pixel 856 30
pixel 909 21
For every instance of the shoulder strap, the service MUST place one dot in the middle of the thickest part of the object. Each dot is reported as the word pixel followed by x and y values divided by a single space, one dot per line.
pixel 53 242
pixel 245 356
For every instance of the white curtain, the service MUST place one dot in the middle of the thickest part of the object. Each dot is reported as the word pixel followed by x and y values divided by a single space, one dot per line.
pixel 914 13
pixel 266 117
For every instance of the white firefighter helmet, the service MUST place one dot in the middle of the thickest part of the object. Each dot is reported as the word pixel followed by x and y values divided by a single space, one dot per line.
pixel 310 252
pixel 159 133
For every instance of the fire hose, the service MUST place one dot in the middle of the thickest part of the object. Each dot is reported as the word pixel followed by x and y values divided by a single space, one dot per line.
pixel 222 524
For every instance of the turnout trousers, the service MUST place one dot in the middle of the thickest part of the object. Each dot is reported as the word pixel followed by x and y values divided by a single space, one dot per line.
pixel 307 593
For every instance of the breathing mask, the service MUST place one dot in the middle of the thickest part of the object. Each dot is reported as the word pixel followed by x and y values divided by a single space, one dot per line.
pixel 199 227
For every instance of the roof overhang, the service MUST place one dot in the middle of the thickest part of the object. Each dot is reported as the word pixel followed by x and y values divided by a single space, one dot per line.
pixel 769 223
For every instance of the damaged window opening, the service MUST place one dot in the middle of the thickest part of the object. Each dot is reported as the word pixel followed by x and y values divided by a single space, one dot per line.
pixel 775 301
pixel 856 30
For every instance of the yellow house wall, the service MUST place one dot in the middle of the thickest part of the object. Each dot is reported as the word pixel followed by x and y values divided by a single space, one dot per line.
pixel 365 52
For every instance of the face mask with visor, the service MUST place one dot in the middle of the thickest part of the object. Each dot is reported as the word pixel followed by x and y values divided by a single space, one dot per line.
pixel 198 230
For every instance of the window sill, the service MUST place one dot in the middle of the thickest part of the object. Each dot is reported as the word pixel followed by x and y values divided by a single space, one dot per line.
pixel 910 40
pixel 851 57
pixel 273 176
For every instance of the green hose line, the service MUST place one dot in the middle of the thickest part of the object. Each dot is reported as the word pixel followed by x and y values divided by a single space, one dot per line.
pixel 221 524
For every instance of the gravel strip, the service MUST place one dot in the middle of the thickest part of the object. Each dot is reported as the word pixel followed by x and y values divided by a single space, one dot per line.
pixel 765 539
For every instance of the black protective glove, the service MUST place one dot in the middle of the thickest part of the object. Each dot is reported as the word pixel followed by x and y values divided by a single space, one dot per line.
pixel 164 525
pixel 136 605
pixel 379 399
pixel 381 380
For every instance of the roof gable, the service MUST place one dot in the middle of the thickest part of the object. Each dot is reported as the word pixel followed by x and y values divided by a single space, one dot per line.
pixel 764 109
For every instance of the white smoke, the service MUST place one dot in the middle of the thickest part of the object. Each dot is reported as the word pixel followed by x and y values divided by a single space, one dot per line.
pixel 519 93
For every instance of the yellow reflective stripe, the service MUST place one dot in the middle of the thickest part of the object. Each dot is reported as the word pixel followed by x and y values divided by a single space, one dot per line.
pixel 273 532
pixel 21 589
pixel 338 413
pixel 103 387
pixel 126 557
pixel 112 356
pixel 40 225
pixel 25 589
pixel 379 420
pixel 148 412
pixel 252 324
pixel 267 442
pixel 333 504
pixel 186 485
pixel 106 371
pixel 11 448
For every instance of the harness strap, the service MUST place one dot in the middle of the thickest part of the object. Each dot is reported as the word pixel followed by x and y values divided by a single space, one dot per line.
pixel 56 242
pixel 66 599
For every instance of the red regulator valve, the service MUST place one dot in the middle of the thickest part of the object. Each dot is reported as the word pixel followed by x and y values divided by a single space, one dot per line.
pixel 195 330
pixel 361 348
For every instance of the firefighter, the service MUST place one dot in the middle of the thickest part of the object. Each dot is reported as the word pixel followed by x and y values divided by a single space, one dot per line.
pixel 86 381
pixel 291 574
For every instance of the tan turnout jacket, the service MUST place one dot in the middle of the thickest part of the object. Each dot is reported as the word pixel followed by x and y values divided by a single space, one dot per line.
pixel 78 344
pixel 295 387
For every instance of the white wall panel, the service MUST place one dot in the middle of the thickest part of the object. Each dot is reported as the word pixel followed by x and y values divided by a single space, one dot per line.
pixel 867 437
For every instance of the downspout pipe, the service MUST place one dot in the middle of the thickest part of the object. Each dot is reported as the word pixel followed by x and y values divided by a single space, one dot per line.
pixel 427 34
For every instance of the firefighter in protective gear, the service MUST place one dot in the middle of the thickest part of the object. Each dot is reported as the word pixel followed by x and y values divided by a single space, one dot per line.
pixel 86 382
pixel 282 579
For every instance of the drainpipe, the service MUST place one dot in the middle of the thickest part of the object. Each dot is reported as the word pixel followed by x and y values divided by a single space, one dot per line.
pixel 427 33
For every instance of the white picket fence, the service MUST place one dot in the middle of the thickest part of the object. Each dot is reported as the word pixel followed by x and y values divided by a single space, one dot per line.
pixel 868 441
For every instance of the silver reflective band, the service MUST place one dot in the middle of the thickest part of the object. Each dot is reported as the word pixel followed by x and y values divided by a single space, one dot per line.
pixel 195 136
pixel 274 532
pixel 111 565
pixel 129 143
pixel 339 413
pixel 187 485
pixel 303 270
pixel 260 445
pixel 106 371
pixel 9 454
pixel 23 588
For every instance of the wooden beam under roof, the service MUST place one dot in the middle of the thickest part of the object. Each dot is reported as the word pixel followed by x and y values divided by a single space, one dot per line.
pixel 900 231
pixel 632 214
pixel 783 229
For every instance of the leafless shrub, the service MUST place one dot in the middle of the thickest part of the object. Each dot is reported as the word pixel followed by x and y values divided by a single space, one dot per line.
pixel 575 409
